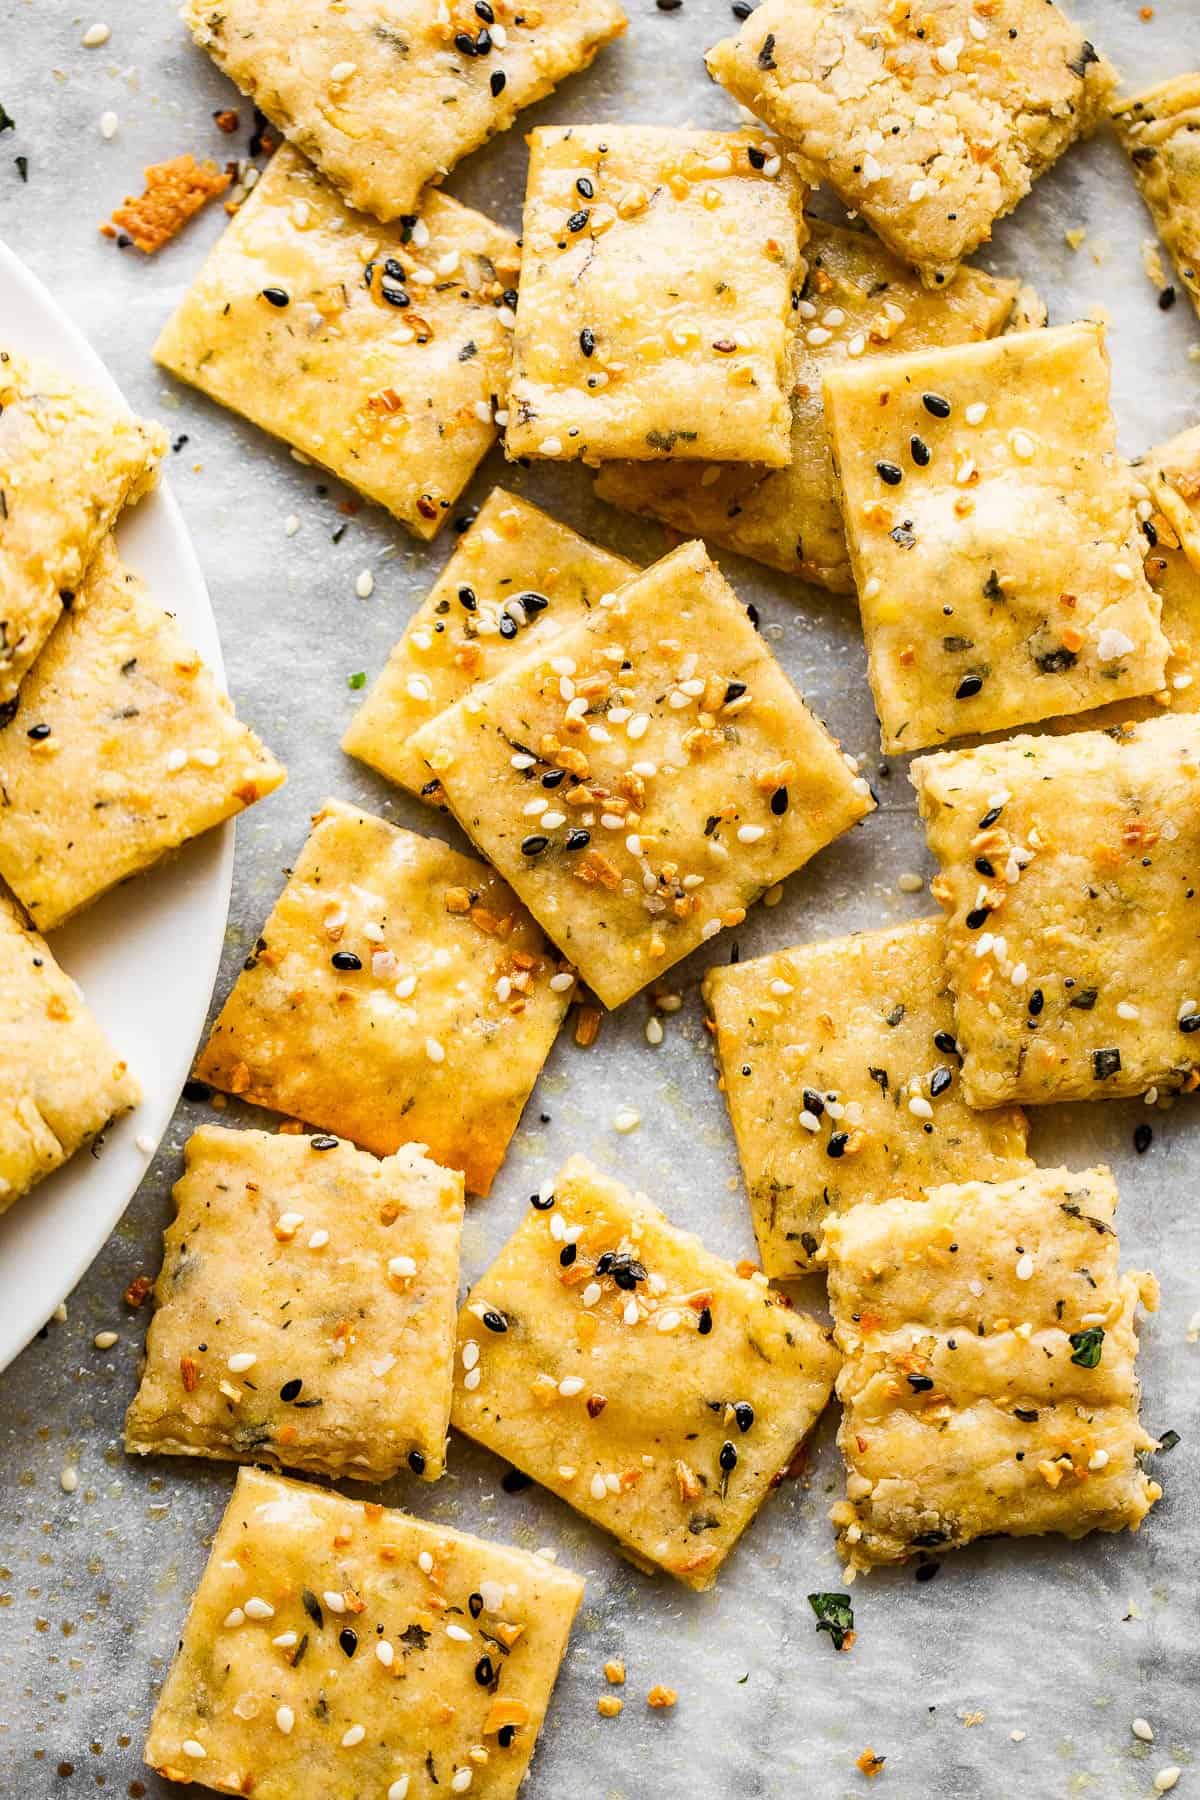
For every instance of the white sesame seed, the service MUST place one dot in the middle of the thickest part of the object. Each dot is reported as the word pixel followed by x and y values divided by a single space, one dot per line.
pixel 342 71
pixel 570 1385
pixel 402 1267
pixel 591 1293
pixel 976 413
pixel 654 1030
pixel 145 1143
pixel 522 761
pixel 599 1487
pixel 434 1050
pixel 195 1750
pixel 233 1618
pixel 405 987
pixel 287 1640
pixel 257 1608
pixel 355 1735
pixel 425 1562
pixel 471 1380
pixel 69 1479
pixel 1098 1459
pixel 625 1119
pixel 710 928
pixel 1113 644
pixel 667 1320
pixel 364 587
pixel 1025 1268
pixel 638 726
pixel 857 344
pixel 1022 445
pixel 508 318
pixel 335 1601
pixel 552 820
pixel 817 335
pixel 243 1360
pixel 919 1107
pixel 460 1781
pixel 470 1353
pixel 288 1224
pixel 562 981
pixel 631 1315
pixel 1166 1778
pixel 750 834
pixel 398 1789
pixel 810 1121
pixel 176 760
pixel 385 1653
pixel 550 446
pixel 1142 1728
pixel 109 124
pixel 291 525
pixel 1127 1010
pixel 285 1718
pixel 458 1634
pixel 910 883
pixel 104 1340
pixel 1018 974
pixel 946 55
pixel 95 35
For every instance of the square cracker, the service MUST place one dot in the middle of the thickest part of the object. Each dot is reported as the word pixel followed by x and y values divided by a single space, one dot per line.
pixel 61 1081
pixel 993 535
pixel 387 95
pixel 643 779
pixel 515 579
pixel 1172 473
pixel 398 994
pixel 70 459
pixel 857 299
pixel 840 1071
pixel 334 1647
pixel 656 299
pixel 374 350
pixel 120 749
pixel 932 121
pixel 623 1366
pixel 989 1378
pixel 283 1250
pixel 1160 131
pixel 1070 868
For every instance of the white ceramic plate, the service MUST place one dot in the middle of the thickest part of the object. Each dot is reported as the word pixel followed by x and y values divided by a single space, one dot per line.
pixel 145 956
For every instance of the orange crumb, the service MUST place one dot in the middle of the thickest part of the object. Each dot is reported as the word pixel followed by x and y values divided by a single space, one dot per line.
pixel 660 1696
pixel 608 1706
pixel 614 1672
pixel 175 190
pixel 869 1763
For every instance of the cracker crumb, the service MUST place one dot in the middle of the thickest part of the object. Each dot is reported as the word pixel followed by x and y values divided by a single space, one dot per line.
pixel 869 1763
pixel 175 191
pixel 660 1696
pixel 614 1671
pixel 608 1706
pixel 1075 236
pixel 1017 1737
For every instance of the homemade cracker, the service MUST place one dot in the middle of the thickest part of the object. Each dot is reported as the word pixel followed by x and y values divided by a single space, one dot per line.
pixel 387 95
pixel 1160 131
pixel 374 350
pixel 993 535
pixel 622 1365
pixel 175 192
pixel 989 1378
pixel 643 779
pixel 337 1648
pixel 932 122
pixel 1069 875
pixel 305 1312
pixel 659 272
pixel 120 749
pixel 857 300
pixel 840 1070
pixel 70 459
pixel 61 1081
pixel 515 579
pixel 398 994
pixel 1172 472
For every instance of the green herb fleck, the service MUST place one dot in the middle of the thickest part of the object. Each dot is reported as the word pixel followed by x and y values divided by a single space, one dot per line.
pixel 743 1679
pixel 1166 1442
pixel 7 122
pixel 1087 1346
pixel 22 163
pixel 358 680
pixel 836 1616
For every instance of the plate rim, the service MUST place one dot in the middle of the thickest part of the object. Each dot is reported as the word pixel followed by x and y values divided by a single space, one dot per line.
pixel 124 1165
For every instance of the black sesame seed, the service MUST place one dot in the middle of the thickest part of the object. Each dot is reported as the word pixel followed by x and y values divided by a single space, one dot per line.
pixel 704 1322
pixel 475 1604
pixel 578 838
pixel 466 598
pixel 1143 1137
pixel 587 340
pixel 1190 1022
pixel 889 472
pixel 465 42
pixel 39 733
pixel 920 451
pixel 668 5
pixel 534 845
pixel 733 691
pixel 989 817
pixel 324 1142
pixel 1036 1002
pixel 395 296
pixel 508 626
pixel 483 43
pixel 837 1144
pixel 939 1081
pixel 416 1462
pixel 567 1255
pixel 578 220
pixel 813 1102
pixel 505 1736
pixel 483 10
pixel 728 1457
pixel 937 405
pixel 533 602
pixel 290 1389
pixel 741 9
pixel 976 918
pixel 743 1412
pixel 946 1042
pixel 484 1672
pixel 312 1606
pixel 968 687
pixel 984 867
pixel 348 1639
pixel 1166 299
pixel 779 802
pixel 346 960
pixel 920 1384
pixel 498 81
pixel 516 1481
pixel 926 1571
pixel 277 296
pixel 756 157
pixel 539 1204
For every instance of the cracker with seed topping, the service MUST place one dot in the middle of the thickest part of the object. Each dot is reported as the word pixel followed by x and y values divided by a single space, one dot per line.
pixel 70 459
pixel 339 1648
pixel 646 777
pixel 121 748
pixel 1069 877
pixel 993 535
pixel 305 1312
pixel 516 578
pixel 931 122
pixel 387 95
pixel 656 300
pixel 989 1378
pixel 398 994
pixel 373 350
pixel 61 1081
pixel 1158 130
pixel 840 1070
pixel 857 300
pixel 623 1366
pixel 1172 471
